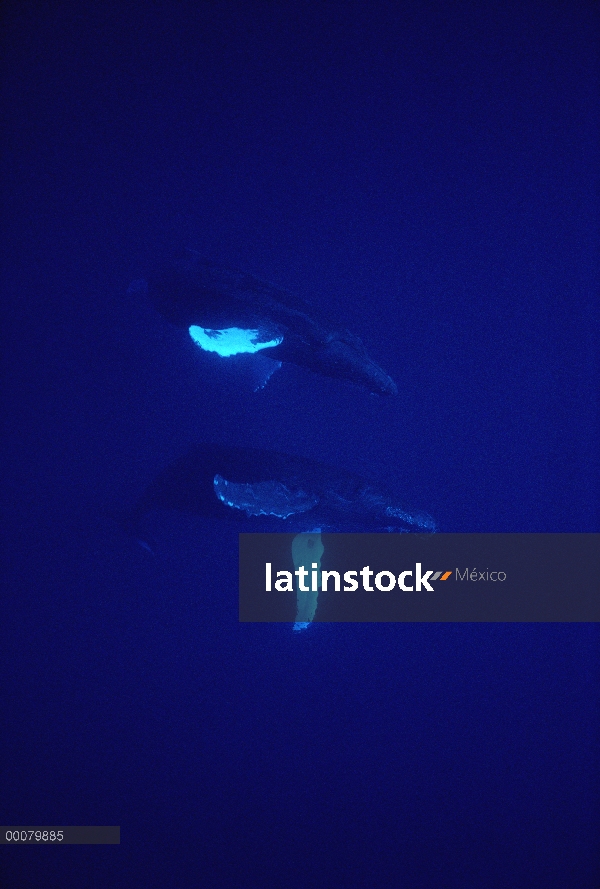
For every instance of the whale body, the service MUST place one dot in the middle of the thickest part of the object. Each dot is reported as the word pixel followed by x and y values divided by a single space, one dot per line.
pixel 265 490
pixel 230 312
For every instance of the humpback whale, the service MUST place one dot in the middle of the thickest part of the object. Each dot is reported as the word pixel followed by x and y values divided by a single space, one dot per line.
pixel 264 490
pixel 230 312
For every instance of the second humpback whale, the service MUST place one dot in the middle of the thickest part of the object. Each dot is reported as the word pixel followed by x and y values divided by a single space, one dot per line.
pixel 230 312
pixel 264 490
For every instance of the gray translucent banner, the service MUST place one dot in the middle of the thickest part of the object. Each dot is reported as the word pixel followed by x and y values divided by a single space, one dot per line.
pixel 415 577
pixel 59 836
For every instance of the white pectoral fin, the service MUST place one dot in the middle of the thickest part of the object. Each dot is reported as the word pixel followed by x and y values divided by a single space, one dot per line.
pixel 263 498
pixel 307 550
pixel 243 349
pixel 306 606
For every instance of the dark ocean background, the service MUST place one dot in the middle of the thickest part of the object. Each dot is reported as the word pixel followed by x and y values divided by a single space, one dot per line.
pixel 427 173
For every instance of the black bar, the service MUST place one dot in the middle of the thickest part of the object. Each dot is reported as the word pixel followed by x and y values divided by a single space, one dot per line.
pixel 59 836
pixel 479 578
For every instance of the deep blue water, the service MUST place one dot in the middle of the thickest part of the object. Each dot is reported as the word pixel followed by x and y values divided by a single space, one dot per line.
pixel 428 173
